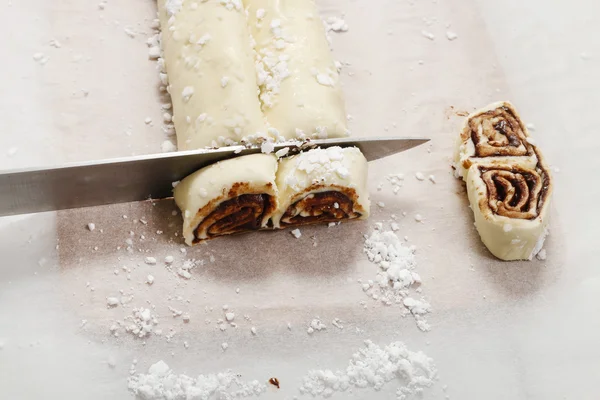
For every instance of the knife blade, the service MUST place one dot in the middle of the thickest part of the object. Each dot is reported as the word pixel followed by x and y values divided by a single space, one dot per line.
pixel 136 178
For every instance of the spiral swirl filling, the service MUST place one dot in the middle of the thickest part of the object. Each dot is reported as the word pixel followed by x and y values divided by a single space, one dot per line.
pixel 239 214
pixel 499 132
pixel 515 192
pixel 328 206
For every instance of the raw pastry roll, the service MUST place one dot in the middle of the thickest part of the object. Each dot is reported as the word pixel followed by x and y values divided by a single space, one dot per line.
pixel 511 206
pixel 322 185
pixel 228 197
pixel 508 182
pixel 212 79
pixel 299 82
pixel 494 135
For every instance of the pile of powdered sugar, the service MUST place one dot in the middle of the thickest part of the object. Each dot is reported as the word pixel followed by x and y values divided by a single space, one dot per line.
pixel 161 383
pixel 373 366
pixel 396 281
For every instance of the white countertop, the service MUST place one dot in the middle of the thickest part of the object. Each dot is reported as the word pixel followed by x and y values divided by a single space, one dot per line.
pixel 526 330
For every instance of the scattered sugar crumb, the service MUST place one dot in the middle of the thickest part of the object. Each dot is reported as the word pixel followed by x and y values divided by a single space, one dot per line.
pixel 12 151
pixel 316 325
pixel 167 146
pixel 374 366
pixel 419 176
pixel 224 81
pixel 229 316
pixel 541 255
pixel 253 330
pixel 187 93
pixel 130 32
pixel 296 233
pixel 150 260
pixel 282 152
pixel 149 279
pixel 418 217
pixel 381 204
pixel 337 323
pixel 91 226
pixel 112 301
pixel 432 178
pixel 428 35
pixel 224 346
pixel 451 35
pixel 267 147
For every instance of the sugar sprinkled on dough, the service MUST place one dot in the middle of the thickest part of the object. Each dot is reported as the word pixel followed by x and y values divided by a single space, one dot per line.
pixel 187 93
pixel 335 24
pixel 91 226
pixel 167 146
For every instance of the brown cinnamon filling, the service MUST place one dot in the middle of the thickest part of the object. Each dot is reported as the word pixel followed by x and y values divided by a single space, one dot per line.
pixel 516 192
pixel 499 132
pixel 330 206
pixel 239 214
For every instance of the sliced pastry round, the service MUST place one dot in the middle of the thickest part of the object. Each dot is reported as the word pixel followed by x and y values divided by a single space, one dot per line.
pixel 322 185
pixel 228 197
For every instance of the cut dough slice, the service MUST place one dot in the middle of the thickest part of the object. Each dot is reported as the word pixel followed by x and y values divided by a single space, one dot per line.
pixel 212 78
pixel 511 208
pixel 299 82
pixel 322 185
pixel 508 183
pixel 228 197
pixel 494 135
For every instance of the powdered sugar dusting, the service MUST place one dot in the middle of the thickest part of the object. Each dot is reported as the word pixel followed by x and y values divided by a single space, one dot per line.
pixel 161 383
pixel 374 366
pixel 396 280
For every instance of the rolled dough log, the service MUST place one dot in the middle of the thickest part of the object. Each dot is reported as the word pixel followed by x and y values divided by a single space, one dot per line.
pixel 228 197
pixel 508 182
pixel 212 77
pixel 322 185
pixel 299 83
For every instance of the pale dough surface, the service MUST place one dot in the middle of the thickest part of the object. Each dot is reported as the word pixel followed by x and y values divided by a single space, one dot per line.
pixel 289 34
pixel 211 74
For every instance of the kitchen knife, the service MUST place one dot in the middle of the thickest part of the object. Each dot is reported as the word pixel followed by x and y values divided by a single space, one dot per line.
pixel 121 180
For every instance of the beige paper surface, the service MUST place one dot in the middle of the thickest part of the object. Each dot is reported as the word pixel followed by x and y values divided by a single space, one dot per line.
pixel 525 330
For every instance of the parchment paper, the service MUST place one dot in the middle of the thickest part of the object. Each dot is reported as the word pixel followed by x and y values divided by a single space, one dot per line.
pixel 526 330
